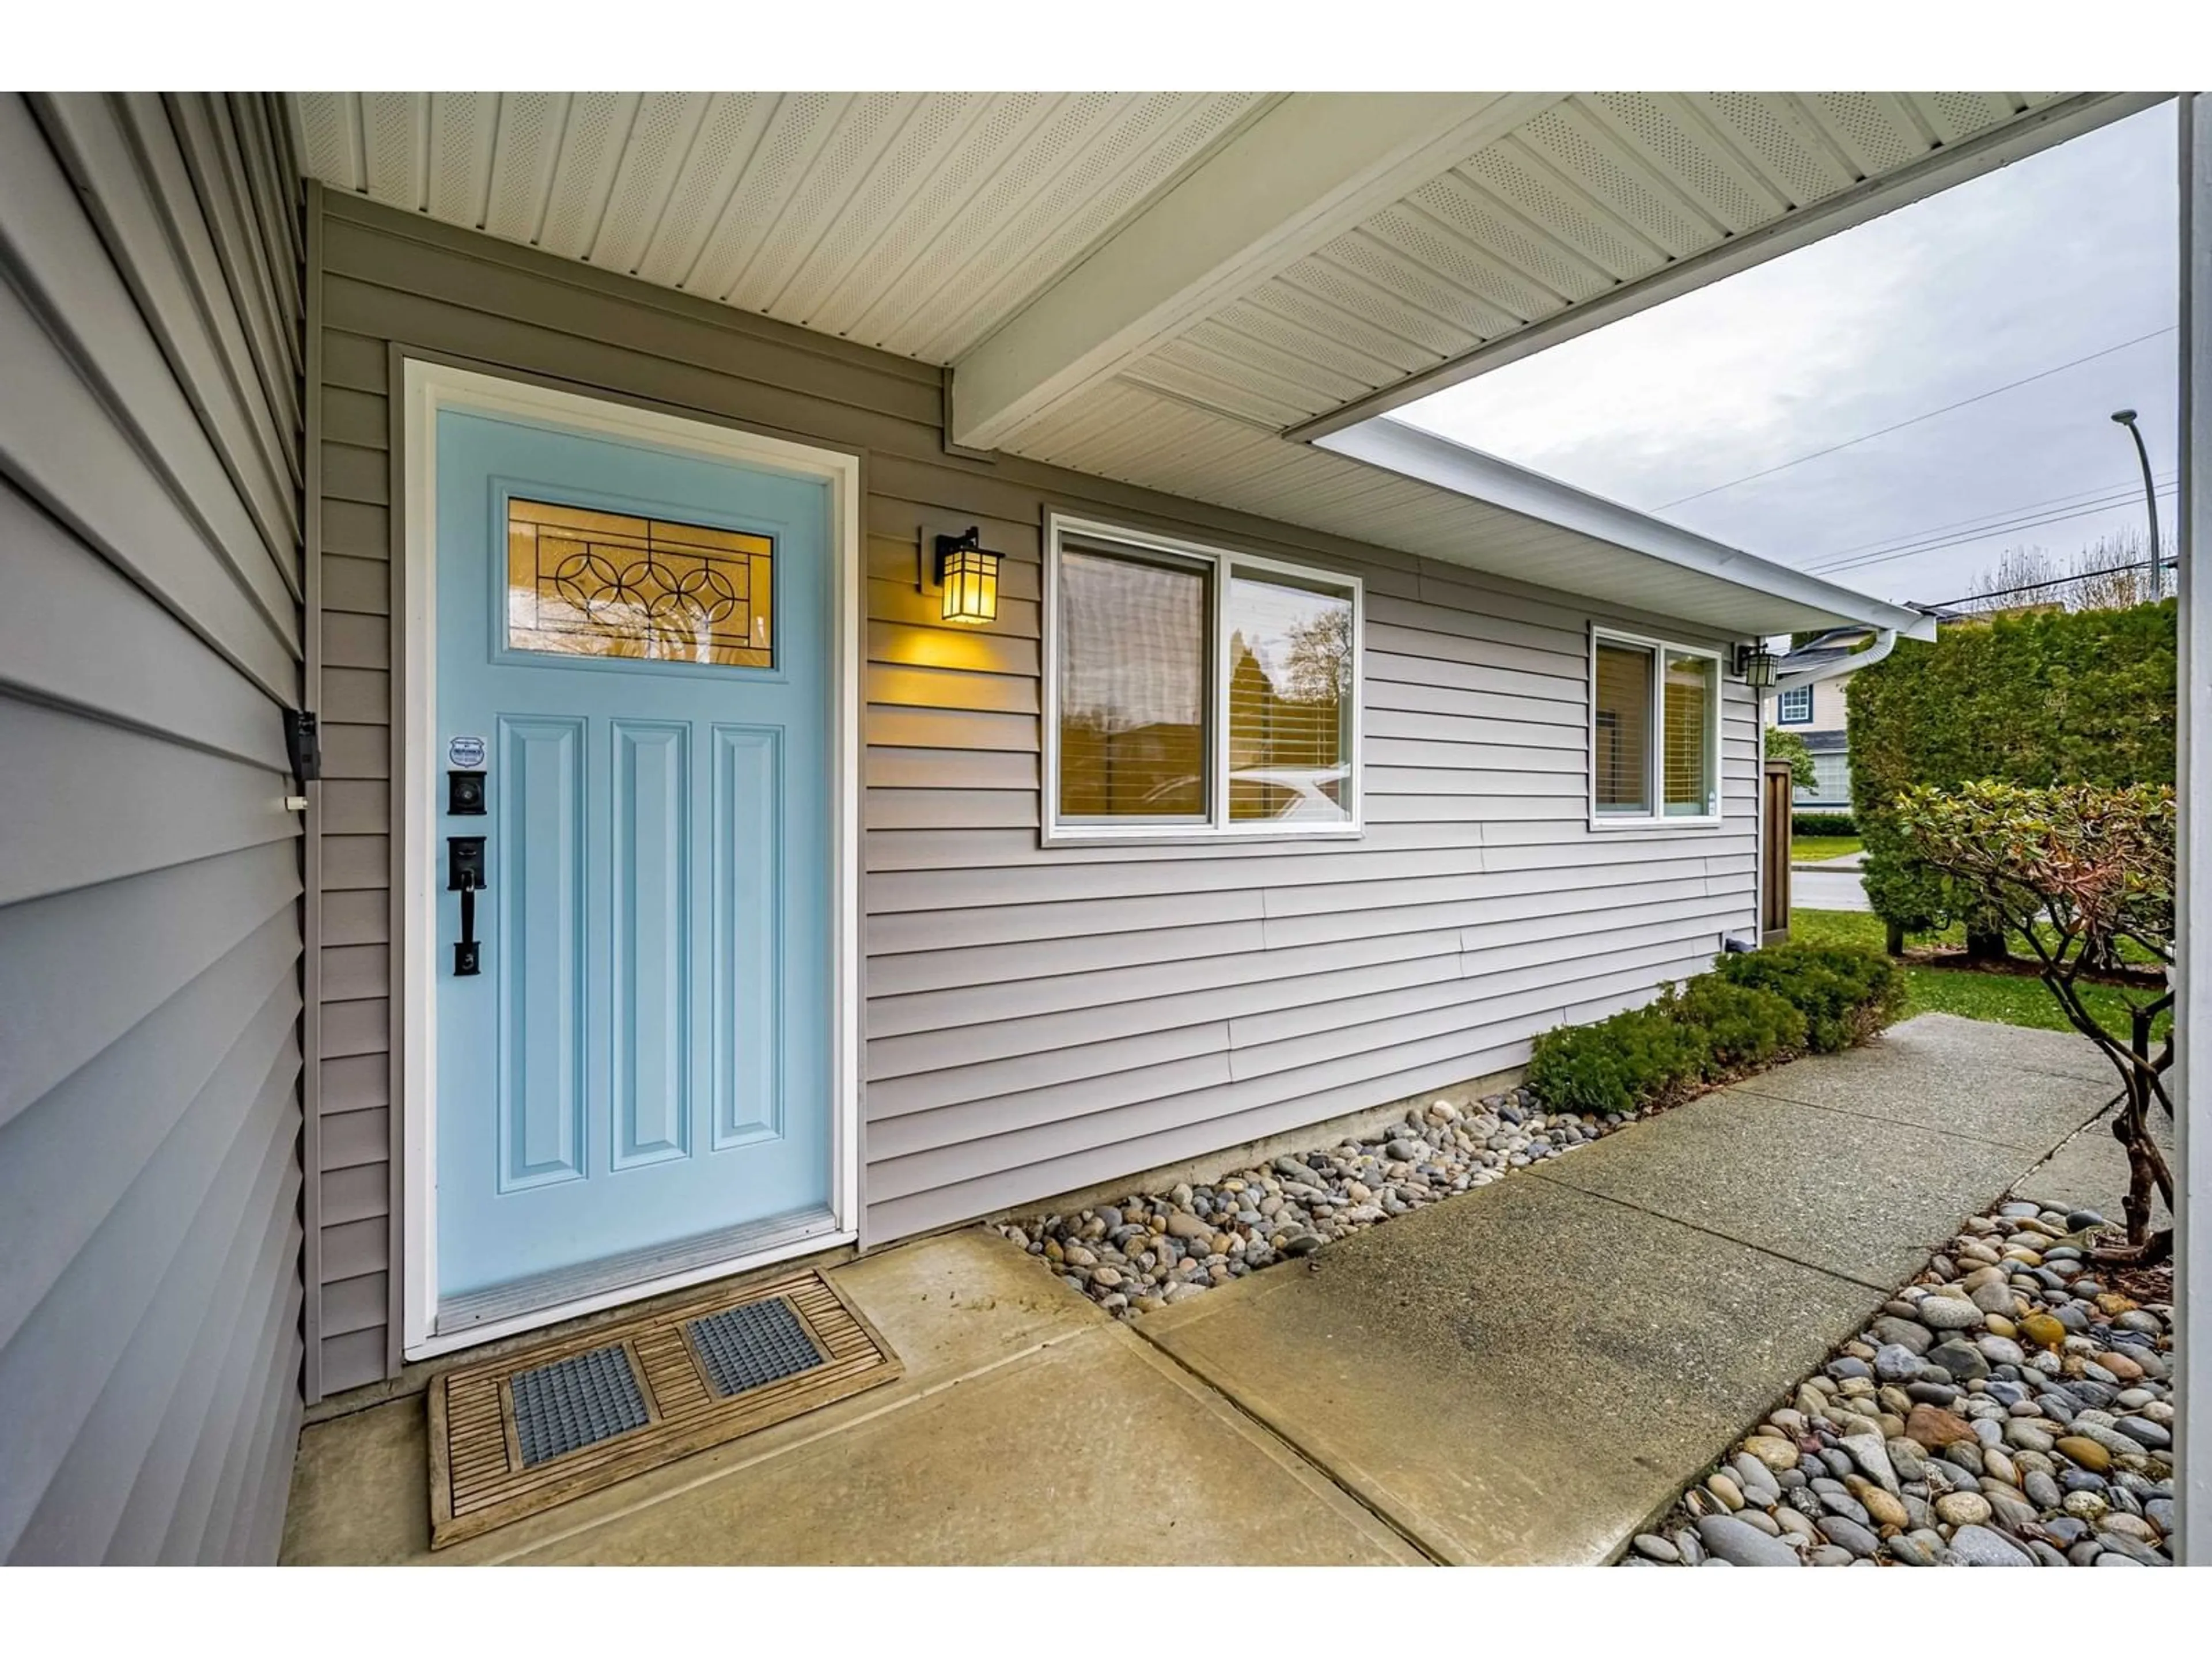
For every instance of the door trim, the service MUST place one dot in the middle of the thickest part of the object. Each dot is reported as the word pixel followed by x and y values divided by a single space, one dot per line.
pixel 428 387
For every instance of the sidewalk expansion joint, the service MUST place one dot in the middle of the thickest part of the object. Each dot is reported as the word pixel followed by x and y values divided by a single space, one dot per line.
pixel 1291 1445
pixel 1923 1128
pixel 1559 1180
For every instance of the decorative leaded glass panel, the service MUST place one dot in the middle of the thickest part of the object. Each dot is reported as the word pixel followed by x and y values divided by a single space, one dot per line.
pixel 582 583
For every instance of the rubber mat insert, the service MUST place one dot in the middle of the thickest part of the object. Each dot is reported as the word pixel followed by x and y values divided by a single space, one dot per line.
pixel 522 1434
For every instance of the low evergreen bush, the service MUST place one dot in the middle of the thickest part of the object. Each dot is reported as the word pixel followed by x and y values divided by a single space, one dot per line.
pixel 1845 995
pixel 1745 1029
pixel 1640 1057
pixel 1823 823
pixel 1753 1010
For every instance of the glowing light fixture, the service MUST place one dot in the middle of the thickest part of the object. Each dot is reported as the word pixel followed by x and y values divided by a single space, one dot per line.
pixel 1757 665
pixel 969 577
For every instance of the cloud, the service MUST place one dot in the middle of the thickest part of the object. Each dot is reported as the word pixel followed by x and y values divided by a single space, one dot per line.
pixel 2051 259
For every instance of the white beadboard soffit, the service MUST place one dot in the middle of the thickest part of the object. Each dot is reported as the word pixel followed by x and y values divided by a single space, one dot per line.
pixel 926 223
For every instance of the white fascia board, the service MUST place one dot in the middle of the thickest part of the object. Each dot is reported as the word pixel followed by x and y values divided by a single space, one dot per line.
pixel 1310 168
pixel 1401 449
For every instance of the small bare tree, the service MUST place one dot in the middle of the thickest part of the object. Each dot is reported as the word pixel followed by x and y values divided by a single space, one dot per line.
pixel 2077 870
pixel 2112 573
pixel 2020 577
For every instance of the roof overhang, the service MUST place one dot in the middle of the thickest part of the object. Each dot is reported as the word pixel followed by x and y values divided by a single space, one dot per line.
pixel 1183 291
pixel 1725 585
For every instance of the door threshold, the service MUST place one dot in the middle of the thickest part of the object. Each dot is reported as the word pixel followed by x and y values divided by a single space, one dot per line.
pixel 525 1304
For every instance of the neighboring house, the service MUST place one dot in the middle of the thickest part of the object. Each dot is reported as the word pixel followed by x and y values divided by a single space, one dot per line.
pixel 682 879
pixel 1820 714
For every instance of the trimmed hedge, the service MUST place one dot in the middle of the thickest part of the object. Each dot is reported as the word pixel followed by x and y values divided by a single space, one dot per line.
pixel 1823 823
pixel 2046 698
pixel 1752 1012
pixel 1846 995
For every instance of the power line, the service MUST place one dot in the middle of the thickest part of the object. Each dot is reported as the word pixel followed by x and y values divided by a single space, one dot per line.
pixel 1983 533
pixel 1836 555
pixel 1884 432
pixel 2056 581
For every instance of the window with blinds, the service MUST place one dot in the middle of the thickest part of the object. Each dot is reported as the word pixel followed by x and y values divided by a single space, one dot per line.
pixel 1654 731
pixel 1289 685
pixel 1133 688
pixel 1620 731
pixel 1197 691
pixel 1793 707
pixel 1692 694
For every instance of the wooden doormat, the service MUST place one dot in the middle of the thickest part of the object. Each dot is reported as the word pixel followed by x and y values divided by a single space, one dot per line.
pixel 515 1436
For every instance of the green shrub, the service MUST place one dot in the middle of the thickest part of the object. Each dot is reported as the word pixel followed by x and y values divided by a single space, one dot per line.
pixel 2051 697
pixel 1745 1028
pixel 1783 745
pixel 1752 1010
pixel 1845 994
pixel 1639 1058
pixel 1823 823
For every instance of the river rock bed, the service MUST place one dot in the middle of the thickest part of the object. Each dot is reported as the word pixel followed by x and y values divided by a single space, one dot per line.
pixel 2011 1407
pixel 1150 1249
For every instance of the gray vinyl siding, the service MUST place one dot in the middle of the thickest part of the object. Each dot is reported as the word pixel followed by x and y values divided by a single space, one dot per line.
pixel 1037 1020
pixel 150 1183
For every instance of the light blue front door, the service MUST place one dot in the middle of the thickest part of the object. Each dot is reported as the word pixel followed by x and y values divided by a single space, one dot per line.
pixel 633 651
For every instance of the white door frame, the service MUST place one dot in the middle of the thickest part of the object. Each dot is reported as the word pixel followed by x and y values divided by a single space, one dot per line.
pixel 428 388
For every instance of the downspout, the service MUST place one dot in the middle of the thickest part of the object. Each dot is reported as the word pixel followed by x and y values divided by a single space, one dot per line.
pixel 1885 642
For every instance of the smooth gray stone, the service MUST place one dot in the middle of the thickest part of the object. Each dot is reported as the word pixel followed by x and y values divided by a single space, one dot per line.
pixel 1962 1362
pixel 1755 1480
pixel 1852 1536
pixel 1892 1332
pixel 2118 1543
pixel 1978 1546
pixel 2143 1430
pixel 1911 1550
pixel 1894 1362
pixel 1731 1540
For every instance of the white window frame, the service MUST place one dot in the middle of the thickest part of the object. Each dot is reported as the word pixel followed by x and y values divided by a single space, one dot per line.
pixel 1221 563
pixel 1782 714
pixel 1655 752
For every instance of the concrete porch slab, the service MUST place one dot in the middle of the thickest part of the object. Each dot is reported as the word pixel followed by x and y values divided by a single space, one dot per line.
pixel 2004 1084
pixel 1520 1376
pixel 1858 1195
pixel 1006 1370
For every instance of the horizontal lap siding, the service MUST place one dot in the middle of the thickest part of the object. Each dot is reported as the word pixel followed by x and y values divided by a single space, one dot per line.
pixel 1035 1019
pixel 150 880
pixel 1040 1020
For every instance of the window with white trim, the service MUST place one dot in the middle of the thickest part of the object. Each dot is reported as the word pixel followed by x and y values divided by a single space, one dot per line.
pixel 1654 731
pixel 1196 692
pixel 1793 707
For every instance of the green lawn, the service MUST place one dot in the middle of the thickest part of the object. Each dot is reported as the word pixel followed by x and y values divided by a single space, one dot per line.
pixel 2007 999
pixel 1812 850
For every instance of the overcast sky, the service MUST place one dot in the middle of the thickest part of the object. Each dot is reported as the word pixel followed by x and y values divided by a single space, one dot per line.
pixel 2068 253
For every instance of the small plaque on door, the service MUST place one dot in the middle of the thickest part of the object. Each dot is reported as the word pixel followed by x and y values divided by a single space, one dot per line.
pixel 465 753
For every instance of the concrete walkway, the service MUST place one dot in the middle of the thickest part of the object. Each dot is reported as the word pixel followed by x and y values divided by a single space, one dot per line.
pixel 1526 1373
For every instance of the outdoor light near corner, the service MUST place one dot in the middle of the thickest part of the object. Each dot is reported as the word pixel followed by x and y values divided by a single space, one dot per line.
pixel 969 577
pixel 1757 665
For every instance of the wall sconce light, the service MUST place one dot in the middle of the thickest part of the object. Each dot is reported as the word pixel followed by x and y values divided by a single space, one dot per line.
pixel 969 577
pixel 1758 666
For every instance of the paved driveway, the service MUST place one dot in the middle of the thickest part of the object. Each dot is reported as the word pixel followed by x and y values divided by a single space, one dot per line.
pixel 1813 887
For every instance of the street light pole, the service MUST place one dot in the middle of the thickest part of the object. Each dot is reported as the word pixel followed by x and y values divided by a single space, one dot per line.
pixel 2126 417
